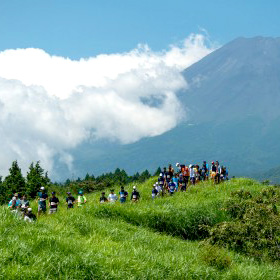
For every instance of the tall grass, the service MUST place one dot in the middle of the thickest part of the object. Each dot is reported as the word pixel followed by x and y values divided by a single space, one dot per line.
pixel 83 244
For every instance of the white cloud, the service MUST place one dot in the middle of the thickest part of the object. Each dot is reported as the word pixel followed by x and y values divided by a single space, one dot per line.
pixel 49 104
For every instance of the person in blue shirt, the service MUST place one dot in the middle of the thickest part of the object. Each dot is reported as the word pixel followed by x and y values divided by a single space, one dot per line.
pixel 123 195
pixel 171 187
pixel 14 204
pixel 176 181
pixel 204 171
pixel 42 199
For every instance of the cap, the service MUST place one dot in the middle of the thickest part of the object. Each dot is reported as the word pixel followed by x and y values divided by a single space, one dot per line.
pixel 134 187
pixel 68 193
pixel 80 192
pixel 42 188
pixel 156 183
pixel 29 209
pixel 177 164
pixel 53 192
pixel 160 174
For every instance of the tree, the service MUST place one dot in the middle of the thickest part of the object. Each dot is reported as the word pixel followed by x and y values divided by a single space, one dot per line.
pixel 3 192
pixel 14 182
pixel 35 179
pixel 144 176
pixel 158 171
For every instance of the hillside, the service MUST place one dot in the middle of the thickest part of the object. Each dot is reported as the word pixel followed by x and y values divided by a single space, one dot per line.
pixel 272 175
pixel 232 115
pixel 149 240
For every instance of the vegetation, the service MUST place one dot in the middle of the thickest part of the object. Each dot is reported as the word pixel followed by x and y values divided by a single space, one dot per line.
pixel 178 237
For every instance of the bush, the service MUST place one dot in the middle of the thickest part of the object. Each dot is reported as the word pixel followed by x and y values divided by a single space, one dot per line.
pixel 255 229
pixel 215 256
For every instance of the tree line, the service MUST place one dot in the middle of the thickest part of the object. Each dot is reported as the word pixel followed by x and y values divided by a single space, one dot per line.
pixel 36 177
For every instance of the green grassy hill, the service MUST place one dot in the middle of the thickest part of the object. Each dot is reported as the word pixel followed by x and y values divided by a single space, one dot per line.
pixel 148 240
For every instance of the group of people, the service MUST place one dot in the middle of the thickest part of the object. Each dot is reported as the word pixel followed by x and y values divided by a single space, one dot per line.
pixel 123 194
pixel 21 206
pixel 169 181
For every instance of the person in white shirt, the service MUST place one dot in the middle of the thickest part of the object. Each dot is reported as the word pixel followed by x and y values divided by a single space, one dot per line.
pixel 192 174
pixel 112 197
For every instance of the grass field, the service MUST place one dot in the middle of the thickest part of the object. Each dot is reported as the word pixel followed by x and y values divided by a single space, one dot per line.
pixel 148 240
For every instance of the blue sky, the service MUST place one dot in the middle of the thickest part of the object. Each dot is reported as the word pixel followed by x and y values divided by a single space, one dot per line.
pixel 89 27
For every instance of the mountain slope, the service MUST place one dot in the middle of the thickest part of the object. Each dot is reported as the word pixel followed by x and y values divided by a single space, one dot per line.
pixel 233 104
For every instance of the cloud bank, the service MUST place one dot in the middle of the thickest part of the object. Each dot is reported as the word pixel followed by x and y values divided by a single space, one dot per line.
pixel 50 104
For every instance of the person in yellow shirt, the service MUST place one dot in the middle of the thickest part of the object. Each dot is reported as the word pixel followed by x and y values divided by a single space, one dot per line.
pixel 81 199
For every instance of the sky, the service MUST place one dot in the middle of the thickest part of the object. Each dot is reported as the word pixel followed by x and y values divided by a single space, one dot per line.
pixel 85 28
pixel 78 71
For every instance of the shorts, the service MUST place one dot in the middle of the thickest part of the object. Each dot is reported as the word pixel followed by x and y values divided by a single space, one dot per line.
pixel 122 200
pixel 42 208
pixel 53 210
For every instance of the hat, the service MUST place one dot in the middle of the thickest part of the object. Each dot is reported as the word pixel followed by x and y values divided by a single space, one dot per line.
pixel 156 183
pixel 16 194
pixel 42 188
pixel 29 209
pixel 134 187
pixel 53 192
pixel 68 193
pixel 160 174
pixel 80 192
pixel 177 164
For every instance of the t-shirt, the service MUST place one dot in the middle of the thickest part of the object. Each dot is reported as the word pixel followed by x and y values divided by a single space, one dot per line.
pixel 42 198
pixel 54 201
pixel 172 186
pixel 123 194
pixel 112 197
pixel 70 201
pixel 161 181
pixel 135 195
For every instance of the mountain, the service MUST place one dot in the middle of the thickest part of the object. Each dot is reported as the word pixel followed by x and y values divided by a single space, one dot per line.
pixel 233 104
pixel 272 175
